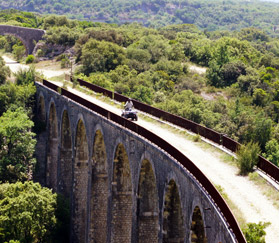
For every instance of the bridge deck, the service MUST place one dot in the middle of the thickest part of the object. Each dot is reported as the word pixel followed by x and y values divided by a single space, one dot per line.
pixel 254 206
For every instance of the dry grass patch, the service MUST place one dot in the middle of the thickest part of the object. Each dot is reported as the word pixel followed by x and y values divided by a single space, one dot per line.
pixel 235 210
pixel 49 65
pixel 268 190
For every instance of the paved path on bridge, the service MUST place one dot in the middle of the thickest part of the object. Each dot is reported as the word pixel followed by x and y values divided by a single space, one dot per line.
pixel 254 206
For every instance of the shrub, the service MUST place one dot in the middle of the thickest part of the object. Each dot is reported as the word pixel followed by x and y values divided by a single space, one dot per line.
pixel 65 63
pixel 255 233
pixel 25 76
pixel 197 138
pixel 19 52
pixel 247 157
pixel 29 59
pixel 40 53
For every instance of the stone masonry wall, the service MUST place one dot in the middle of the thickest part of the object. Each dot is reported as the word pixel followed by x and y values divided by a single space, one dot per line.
pixel 122 192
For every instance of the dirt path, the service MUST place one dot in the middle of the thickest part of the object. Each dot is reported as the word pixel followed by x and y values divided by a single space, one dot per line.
pixel 15 67
pixel 196 69
pixel 254 206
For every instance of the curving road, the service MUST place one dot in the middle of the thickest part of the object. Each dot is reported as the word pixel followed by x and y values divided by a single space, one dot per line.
pixel 254 206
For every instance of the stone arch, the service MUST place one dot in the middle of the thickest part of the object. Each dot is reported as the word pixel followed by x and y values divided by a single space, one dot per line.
pixel 121 197
pixel 147 205
pixel 99 191
pixel 197 227
pixel 80 182
pixel 24 42
pixel 173 225
pixel 28 36
pixel 52 152
pixel 66 154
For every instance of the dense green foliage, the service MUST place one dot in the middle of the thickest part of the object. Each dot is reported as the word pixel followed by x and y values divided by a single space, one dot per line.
pixel 4 71
pixel 152 66
pixel 238 95
pixel 17 143
pixel 17 146
pixel 255 233
pixel 29 59
pixel 27 212
pixel 19 18
pixel 210 15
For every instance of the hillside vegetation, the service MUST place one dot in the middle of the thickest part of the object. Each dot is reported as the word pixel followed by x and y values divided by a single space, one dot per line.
pixel 241 86
pixel 241 83
pixel 211 15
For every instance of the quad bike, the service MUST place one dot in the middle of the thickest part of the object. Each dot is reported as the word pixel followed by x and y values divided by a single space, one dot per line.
pixel 130 114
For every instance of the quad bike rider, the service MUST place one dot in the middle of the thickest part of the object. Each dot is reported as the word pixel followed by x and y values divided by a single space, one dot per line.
pixel 129 111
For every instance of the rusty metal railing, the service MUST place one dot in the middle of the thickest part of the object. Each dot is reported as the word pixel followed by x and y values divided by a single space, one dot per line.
pixel 218 138
pixel 175 153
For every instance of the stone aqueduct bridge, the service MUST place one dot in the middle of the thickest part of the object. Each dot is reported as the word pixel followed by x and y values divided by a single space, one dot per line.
pixel 28 36
pixel 122 187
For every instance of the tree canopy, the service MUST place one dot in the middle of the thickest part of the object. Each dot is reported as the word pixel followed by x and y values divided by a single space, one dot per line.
pixel 17 145
pixel 211 15
pixel 27 212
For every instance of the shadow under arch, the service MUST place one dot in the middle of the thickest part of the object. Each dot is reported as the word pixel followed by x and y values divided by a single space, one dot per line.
pixel 80 183
pixel 173 224
pixel 197 227
pixel 41 109
pixel 99 191
pixel 147 205
pixel 52 152
pixel 65 180
pixel 121 197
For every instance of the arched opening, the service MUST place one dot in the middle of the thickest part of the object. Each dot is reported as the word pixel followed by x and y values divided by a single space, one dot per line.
pixel 13 43
pixel 197 227
pixel 65 182
pixel 52 152
pixel 121 197
pixel 99 191
pixel 80 183
pixel 148 217
pixel 173 226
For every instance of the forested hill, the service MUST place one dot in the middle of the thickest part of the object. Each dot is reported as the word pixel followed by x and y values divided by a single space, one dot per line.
pixel 210 15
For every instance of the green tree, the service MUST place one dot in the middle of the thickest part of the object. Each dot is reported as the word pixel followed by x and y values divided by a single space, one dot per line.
pixel 17 146
pixel 13 96
pixel 19 52
pixel 27 212
pixel 231 71
pixel 4 71
pixel 272 151
pixel 25 76
pixel 101 56
pixel 62 35
pixel 250 81
pixel 255 233
pixel 260 97
pixel 213 74
pixel 143 94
